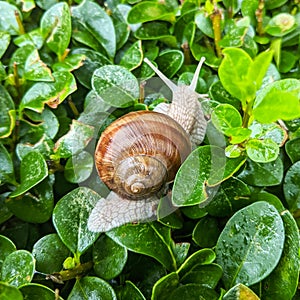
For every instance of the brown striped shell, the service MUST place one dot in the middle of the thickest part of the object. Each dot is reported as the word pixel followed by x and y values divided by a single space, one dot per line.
pixel 140 152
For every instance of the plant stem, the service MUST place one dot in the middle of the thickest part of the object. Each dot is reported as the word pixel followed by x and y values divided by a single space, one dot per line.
pixel 216 18
pixel 73 107
pixel 19 21
pixel 186 53
pixel 259 17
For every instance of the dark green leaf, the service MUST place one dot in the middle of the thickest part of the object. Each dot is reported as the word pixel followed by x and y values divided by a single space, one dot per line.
pixel 149 238
pixel 133 57
pixel 6 247
pixel 56 27
pixel 5 213
pixel 292 149
pixel 291 186
pixel 115 85
pixel 70 217
pixel 7 113
pixel 190 183
pixel 169 62
pixel 18 268
pixel 92 287
pixel 204 23
pixel 251 244
pixel 32 171
pixel 95 20
pixel 6 166
pixel 130 291
pixel 35 291
pixel 164 286
pixel 109 258
pixel 50 253
pixel 262 174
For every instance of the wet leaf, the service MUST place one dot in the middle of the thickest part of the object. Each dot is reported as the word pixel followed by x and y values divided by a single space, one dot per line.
pixel 18 268
pixel 164 286
pixel 6 247
pixel 8 20
pixel 50 253
pixel 129 291
pixel 169 62
pixel 133 57
pixel 6 166
pixel 70 217
pixel 35 291
pixel 192 291
pixel 88 287
pixel 56 27
pixel 4 42
pixel 292 149
pixel 115 85
pixel 109 258
pixel 262 151
pixel 32 171
pixel 251 244
pixel 240 292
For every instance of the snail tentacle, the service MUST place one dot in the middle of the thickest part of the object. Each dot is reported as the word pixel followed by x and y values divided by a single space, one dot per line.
pixel 115 211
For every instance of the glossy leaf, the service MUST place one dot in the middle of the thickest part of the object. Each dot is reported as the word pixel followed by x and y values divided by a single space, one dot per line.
pixel 56 27
pixel 115 85
pixel 164 286
pixel 240 292
pixel 6 247
pixel 169 62
pixel 33 38
pixel 8 292
pixel 32 171
pixel 286 107
pixel 97 23
pixel 292 149
pixel 18 268
pixel 92 287
pixel 35 291
pixel 6 166
pixel 7 113
pixel 5 213
pixel 262 151
pixel 130 291
pixel 35 206
pixel 74 141
pixel 133 57
pixel 205 166
pixel 281 24
pixel 291 187
pixel 251 244
pixel 262 174
pixel 150 239
pixel 50 93
pixel 192 291
pixel 8 20
pixel 79 167
pixel 282 283
pixel 49 253
pixel 70 217
pixel 109 258
pixel 4 42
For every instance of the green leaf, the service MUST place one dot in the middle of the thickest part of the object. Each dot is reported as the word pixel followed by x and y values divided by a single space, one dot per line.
pixel 232 195
pixel 97 23
pixel 279 100
pixel 262 151
pixel 282 283
pixel 208 275
pixel 18 268
pixel 4 42
pixel 193 291
pixel 151 239
pixel 251 244
pixel 262 174
pixel 8 19
pixel 109 258
pixel 205 166
pixel 93 60
pixel 169 62
pixel 204 23
pixel 7 113
pixel 292 149
pixel 92 288
pixel 153 30
pixel 33 170
pixel 225 117
pixel 74 141
pixel 5 213
pixel 129 291
pixel 116 86
pixel 79 167
pixel 291 186
pixel 33 38
pixel 50 93
pixel 8 292
pixel 133 57
pixel 71 62
pixel 149 11
pixel 70 217
pixel 281 24
pixel 35 69
pixel 56 27
pixel 35 206
pixel 35 291
pixel 6 166
pixel 240 292
pixel 238 135
pixel 6 247
pixel 206 232
pixel 49 253
pixel 201 257
pixel 164 286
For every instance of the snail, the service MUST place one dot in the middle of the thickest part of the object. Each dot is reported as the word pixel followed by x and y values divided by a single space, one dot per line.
pixel 138 155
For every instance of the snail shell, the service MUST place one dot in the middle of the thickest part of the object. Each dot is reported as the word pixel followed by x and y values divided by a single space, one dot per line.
pixel 140 152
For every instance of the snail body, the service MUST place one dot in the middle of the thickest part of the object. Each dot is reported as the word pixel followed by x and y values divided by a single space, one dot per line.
pixel 139 154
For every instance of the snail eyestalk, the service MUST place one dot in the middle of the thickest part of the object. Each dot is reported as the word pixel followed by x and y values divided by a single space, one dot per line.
pixel 193 84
